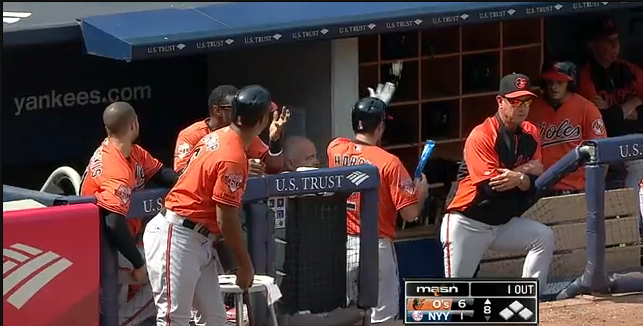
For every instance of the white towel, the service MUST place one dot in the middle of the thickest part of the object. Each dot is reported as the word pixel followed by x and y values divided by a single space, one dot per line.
pixel 273 293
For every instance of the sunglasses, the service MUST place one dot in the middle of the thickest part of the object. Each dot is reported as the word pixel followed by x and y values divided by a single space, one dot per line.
pixel 516 102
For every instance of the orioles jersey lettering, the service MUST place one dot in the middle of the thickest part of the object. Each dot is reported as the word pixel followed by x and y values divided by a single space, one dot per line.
pixel 615 85
pixel 564 128
pixel 216 173
pixel 396 189
pixel 552 134
pixel 190 136
pixel 112 177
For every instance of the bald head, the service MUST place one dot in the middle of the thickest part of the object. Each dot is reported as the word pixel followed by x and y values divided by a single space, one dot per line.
pixel 299 152
pixel 117 118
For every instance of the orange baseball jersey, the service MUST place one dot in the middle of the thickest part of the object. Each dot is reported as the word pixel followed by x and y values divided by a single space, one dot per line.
pixel 191 135
pixel 112 177
pixel 485 151
pixel 216 173
pixel 396 189
pixel 562 129
pixel 615 86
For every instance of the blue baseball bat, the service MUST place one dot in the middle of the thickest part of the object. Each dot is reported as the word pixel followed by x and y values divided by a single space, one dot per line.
pixel 426 153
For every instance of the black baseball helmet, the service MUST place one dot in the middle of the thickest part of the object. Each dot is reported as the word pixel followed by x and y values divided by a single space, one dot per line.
pixel 367 113
pixel 251 103
pixel 561 71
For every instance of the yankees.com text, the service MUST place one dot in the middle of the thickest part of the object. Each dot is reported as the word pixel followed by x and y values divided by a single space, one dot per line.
pixel 55 99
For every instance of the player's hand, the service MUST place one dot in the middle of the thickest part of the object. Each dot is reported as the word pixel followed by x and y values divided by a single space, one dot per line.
pixel 599 102
pixel 629 108
pixel 139 275
pixel 256 167
pixel 278 123
pixel 245 276
pixel 422 186
pixel 506 180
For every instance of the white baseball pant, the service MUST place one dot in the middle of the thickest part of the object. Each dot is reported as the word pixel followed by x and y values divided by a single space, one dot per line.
pixel 465 241
pixel 182 271
pixel 389 283
pixel 641 199
pixel 135 300
pixel 634 175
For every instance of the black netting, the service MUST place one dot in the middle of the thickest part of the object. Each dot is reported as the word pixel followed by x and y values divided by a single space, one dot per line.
pixel 315 254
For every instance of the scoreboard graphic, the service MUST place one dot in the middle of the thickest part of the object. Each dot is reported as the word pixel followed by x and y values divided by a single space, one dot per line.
pixel 471 301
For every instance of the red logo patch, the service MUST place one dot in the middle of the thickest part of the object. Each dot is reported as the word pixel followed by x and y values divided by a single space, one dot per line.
pixel 521 82
pixel 123 193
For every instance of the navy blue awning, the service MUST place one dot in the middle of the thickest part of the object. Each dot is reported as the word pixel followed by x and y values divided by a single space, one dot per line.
pixel 170 32
pixel 28 23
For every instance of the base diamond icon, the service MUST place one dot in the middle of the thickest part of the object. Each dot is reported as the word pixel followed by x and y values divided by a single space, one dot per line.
pixel 525 314
pixel 516 306
pixel 506 314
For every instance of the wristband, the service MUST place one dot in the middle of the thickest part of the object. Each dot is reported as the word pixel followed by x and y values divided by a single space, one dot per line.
pixel 276 147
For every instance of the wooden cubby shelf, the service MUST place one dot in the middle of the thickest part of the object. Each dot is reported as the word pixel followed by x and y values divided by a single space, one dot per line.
pixel 449 79
pixel 449 83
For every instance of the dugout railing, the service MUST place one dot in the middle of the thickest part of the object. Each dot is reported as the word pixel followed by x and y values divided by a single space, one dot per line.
pixel 587 242
pixel 259 219
pixel 597 155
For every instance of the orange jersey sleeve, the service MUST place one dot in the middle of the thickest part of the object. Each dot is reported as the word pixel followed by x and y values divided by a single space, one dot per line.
pixel 258 149
pixel 638 74
pixel 593 125
pixel 230 183
pixel 110 178
pixel 185 143
pixel 400 184
pixel 115 190
pixel 481 157
pixel 150 164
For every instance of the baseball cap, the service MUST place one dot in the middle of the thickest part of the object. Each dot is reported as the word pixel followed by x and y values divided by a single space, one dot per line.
pixel 602 26
pixel 515 85
pixel 557 71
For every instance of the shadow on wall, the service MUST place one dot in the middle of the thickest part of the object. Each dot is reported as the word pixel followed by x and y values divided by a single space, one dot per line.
pixel 297 75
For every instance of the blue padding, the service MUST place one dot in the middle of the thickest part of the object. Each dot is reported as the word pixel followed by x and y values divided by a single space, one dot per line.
pixel 170 32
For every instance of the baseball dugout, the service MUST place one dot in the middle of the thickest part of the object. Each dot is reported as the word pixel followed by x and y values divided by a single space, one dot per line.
pixel 315 259
pixel 596 232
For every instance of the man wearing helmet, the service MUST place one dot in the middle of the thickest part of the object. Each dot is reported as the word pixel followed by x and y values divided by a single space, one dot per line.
pixel 398 193
pixel 564 120
pixel 202 205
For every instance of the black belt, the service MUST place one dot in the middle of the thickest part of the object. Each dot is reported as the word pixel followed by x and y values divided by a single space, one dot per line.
pixel 200 229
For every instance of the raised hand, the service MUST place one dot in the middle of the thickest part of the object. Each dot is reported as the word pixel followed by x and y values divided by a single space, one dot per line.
pixel 278 123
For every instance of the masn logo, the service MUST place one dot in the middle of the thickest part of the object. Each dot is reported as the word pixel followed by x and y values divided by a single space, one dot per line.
pixel 437 290
pixel 26 270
